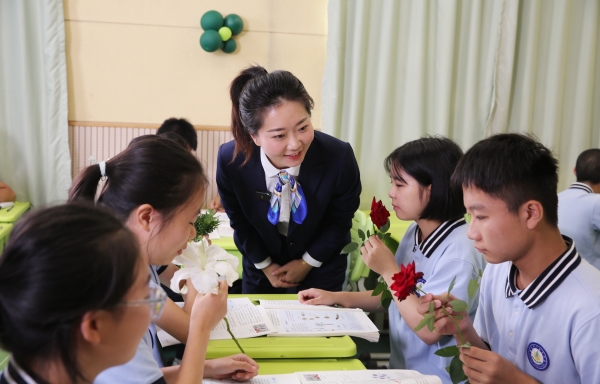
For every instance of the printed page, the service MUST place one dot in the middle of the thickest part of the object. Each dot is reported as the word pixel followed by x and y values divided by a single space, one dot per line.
pixel 295 304
pixel 224 229
pixel 311 322
pixel 367 377
pixel 245 320
pixel 261 379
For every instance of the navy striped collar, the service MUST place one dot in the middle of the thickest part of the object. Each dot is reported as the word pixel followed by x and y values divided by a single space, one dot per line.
pixel 536 292
pixel 14 374
pixel 430 244
pixel 582 186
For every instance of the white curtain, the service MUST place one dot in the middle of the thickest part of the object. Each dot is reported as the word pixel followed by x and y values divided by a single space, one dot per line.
pixel 34 143
pixel 397 70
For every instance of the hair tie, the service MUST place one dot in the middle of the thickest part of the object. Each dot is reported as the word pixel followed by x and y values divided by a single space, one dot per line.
pixel 102 165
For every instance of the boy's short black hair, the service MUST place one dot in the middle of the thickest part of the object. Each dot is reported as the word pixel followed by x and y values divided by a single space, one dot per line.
pixel 431 161
pixel 587 167
pixel 181 127
pixel 514 168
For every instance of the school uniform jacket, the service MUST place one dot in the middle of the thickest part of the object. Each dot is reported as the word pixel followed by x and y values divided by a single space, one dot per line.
pixel 330 179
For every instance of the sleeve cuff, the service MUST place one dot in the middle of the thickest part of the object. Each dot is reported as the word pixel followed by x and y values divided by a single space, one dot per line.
pixel 264 264
pixel 310 261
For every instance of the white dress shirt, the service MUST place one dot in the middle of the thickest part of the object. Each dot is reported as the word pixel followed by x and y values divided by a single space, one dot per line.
pixel 271 179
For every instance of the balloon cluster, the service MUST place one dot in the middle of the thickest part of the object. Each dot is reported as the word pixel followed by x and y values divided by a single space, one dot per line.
pixel 218 31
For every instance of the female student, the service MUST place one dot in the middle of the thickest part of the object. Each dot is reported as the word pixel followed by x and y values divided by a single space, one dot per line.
pixel 157 188
pixel 437 242
pixel 290 191
pixel 74 296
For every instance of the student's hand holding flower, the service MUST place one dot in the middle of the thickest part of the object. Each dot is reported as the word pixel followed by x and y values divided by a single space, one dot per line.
pixel 483 366
pixel 378 257
pixel 293 272
pixel 209 308
pixel 443 325
pixel 237 367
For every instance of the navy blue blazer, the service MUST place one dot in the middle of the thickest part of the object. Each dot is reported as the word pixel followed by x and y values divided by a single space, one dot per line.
pixel 330 179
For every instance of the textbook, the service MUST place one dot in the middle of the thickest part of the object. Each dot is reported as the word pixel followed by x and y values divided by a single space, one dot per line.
pixel 341 377
pixel 286 318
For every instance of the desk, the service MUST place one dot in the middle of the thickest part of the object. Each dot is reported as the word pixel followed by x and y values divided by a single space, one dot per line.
pixel 5 230
pixel 278 366
pixel 283 347
pixel 12 214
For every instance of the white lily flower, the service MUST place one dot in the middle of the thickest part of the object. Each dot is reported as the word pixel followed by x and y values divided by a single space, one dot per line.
pixel 204 264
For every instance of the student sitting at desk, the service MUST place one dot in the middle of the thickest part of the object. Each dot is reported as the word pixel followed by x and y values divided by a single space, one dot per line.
pixel 157 187
pixel 290 191
pixel 437 242
pixel 539 304
pixel 579 207
pixel 74 296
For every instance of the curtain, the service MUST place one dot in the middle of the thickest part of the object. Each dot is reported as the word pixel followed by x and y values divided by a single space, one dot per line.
pixel 34 144
pixel 399 70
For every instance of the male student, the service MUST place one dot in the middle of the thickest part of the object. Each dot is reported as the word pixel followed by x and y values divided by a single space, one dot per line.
pixel 579 207
pixel 539 306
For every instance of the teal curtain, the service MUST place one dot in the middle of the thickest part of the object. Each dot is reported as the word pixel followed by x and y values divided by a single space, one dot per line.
pixel 34 144
pixel 397 70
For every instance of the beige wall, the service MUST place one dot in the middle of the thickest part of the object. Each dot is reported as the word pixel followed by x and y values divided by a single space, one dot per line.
pixel 139 61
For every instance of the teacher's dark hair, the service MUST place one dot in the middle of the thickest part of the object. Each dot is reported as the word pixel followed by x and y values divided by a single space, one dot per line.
pixel 431 162
pixel 152 170
pixel 253 93
pixel 60 263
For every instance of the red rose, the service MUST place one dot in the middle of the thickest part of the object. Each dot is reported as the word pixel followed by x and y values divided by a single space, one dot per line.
pixel 379 214
pixel 405 281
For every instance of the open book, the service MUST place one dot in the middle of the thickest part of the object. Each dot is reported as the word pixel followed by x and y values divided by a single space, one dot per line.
pixel 341 377
pixel 287 318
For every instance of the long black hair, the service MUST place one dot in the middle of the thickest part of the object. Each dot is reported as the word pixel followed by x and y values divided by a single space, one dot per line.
pixel 60 263
pixel 152 170
pixel 255 91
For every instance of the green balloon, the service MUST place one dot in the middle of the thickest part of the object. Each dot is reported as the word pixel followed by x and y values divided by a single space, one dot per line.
pixel 210 41
pixel 229 46
pixel 211 21
pixel 225 33
pixel 235 23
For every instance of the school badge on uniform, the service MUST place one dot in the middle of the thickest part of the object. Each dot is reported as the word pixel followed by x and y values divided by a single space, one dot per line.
pixel 420 283
pixel 538 357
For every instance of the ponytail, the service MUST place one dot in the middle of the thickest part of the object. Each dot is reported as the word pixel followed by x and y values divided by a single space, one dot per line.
pixel 255 91
pixel 85 185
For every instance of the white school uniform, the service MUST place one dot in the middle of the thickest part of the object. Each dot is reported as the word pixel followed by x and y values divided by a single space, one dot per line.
pixel 549 330
pixel 144 367
pixel 579 218
pixel 444 254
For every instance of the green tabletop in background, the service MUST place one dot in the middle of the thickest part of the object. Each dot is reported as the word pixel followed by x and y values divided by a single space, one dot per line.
pixel 13 213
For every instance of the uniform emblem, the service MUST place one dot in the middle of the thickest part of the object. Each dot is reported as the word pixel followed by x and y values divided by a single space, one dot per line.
pixel 420 283
pixel 538 357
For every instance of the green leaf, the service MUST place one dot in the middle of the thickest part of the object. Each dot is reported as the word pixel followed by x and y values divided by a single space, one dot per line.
pixel 361 234
pixel 368 234
pixel 448 369
pixel 480 273
pixel 386 297
pixel 457 305
pixel 431 307
pixel 205 223
pixel 448 351
pixel 384 228
pixel 380 235
pixel 451 286
pixel 349 248
pixel 423 322
pixel 385 303
pixel 473 286
pixel 378 289
pixel 456 371
pixel 430 323
pixel 386 236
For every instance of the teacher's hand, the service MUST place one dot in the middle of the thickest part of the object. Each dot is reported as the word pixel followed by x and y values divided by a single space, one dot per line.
pixel 293 272
pixel 275 279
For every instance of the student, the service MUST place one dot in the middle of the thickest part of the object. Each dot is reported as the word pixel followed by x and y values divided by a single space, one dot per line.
pixel 74 296
pixel 6 193
pixel 183 128
pixel 539 304
pixel 579 207
pixel 437 242
pixel 286 246
pixel 157 188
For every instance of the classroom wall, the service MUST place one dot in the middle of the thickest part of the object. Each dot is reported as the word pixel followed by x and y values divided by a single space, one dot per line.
pixel 140 62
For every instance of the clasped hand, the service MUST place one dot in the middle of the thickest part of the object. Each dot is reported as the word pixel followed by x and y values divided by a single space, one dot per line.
pixel 288 275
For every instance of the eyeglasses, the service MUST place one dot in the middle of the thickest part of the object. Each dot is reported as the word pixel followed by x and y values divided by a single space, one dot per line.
pixel 156 301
